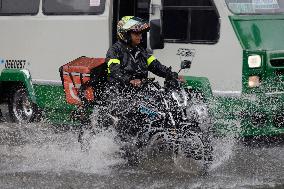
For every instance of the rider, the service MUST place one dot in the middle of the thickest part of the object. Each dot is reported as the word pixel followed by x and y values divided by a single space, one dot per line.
pixel 128 62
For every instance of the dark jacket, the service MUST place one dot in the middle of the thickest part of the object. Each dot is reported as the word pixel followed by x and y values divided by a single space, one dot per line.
pixel 126 64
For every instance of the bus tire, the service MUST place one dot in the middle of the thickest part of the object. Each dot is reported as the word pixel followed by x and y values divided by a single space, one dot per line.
pixel 21 108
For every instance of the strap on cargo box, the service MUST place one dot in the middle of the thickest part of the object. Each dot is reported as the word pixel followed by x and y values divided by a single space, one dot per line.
pixel 81 78
pixel 71 77
pixel 61 75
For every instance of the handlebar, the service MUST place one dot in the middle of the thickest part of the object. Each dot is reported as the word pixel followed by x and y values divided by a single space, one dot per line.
pixel 172 83
pixel 148 81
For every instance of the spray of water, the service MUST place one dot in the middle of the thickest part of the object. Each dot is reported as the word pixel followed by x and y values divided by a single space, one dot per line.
pixel 44 150
pixel 37 148
pixel 223 151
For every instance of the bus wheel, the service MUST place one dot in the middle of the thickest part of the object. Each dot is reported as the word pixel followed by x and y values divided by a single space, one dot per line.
pixel 21 109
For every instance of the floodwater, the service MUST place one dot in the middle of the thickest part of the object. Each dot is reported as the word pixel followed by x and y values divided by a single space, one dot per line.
pixel 40 156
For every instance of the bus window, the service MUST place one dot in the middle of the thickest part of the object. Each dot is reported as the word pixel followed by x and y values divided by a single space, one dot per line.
pixel 19 7
pixel 73 7
pixel 190 21
pixel 256 6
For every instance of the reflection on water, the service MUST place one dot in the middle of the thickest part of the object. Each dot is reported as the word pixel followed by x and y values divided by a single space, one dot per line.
pixel 38 156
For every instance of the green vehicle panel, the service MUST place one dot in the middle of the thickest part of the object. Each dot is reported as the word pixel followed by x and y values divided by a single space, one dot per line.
pixel 262 106
pixel 23 76
pixel 51 98
pixel 200 84
pixel 259 32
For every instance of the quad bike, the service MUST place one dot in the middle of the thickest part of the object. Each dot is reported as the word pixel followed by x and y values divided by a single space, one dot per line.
pixel 155 119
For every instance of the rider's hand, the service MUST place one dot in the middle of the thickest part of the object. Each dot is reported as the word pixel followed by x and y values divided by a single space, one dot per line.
pixel 136 82
pixel 181 79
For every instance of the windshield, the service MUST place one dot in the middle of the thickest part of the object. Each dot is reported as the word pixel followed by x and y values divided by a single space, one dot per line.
pixel 256 6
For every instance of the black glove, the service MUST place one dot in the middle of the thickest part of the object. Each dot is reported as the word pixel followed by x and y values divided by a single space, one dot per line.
pixel 172 83
pixel 171 75
pixel 174 75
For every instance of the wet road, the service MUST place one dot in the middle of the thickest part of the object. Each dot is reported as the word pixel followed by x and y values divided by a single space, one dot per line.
pixel 38 156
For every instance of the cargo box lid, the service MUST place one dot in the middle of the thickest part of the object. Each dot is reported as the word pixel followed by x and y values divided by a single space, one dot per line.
pixel 83 64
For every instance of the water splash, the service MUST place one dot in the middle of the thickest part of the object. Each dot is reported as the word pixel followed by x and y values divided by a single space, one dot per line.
pixel 55 158
pixel 223 151
pixel 44 150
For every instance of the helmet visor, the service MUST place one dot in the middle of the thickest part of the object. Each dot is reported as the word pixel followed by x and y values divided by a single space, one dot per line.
pixel 131 23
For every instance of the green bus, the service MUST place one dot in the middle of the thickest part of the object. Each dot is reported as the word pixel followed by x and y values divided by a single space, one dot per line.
pixel 236 46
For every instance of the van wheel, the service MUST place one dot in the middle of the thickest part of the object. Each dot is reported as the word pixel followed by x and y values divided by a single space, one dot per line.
pixel 21 108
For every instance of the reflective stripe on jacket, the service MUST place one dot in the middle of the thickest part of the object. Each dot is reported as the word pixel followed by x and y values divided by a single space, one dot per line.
pixel 125 64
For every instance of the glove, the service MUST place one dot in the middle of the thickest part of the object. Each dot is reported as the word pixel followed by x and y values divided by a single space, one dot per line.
pixel 174 75
pixel 172 83
pixel 171 75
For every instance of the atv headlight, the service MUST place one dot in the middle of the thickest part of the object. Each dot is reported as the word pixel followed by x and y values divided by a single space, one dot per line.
pixel 180 98
pixel 254 61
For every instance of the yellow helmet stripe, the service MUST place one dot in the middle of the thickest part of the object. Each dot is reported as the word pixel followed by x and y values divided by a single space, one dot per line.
pixel 126 18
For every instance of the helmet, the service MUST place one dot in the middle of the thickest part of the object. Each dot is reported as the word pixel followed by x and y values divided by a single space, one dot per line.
pixel 130 24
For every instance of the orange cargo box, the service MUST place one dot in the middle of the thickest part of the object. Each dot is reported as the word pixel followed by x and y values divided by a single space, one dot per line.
pixel 75 74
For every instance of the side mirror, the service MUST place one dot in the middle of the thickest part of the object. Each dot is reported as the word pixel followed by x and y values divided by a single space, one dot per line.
pixel 156 37
pixel 185 64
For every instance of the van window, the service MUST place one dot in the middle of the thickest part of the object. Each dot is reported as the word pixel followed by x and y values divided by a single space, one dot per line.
pixel 256 6
pixel 190 21
pixel 73 7
pixel 19 7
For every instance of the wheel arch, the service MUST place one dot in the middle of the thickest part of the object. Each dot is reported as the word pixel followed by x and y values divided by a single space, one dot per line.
pixel 14 78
